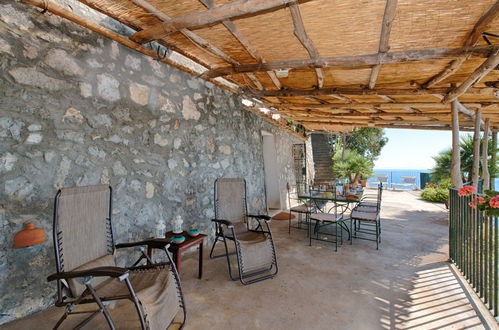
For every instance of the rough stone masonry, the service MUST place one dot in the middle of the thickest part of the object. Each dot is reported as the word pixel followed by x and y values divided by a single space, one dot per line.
pixel 79 109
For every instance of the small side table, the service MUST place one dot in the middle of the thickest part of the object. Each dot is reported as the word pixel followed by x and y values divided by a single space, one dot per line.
pixel 178 249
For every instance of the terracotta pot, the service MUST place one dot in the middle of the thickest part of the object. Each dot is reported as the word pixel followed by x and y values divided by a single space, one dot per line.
pixel 29 236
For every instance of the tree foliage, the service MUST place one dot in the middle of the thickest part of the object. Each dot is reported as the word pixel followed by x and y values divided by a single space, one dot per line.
pixel 352 165
pixel 443 161
pixel 367 141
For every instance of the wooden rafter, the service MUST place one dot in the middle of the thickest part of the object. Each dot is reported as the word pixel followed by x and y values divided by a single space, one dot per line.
pixel 195 38
pixel 356 61
pixel 364 114
pixel 70 16
pixel 475 34
pixel 362 91
pixel 363 105
pixel 244 42
pixel 463 108
pixel 432 127
pixel 301 33
pixel 487 66
pixel 217 14
pixel 386 28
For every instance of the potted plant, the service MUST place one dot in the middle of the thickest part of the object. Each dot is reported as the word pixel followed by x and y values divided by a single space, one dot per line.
pixel 350 164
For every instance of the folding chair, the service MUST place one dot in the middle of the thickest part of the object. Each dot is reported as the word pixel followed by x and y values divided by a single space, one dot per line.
pixel 254 247
pixel 146 297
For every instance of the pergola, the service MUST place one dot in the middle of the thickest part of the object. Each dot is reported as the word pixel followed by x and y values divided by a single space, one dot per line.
pixel 330 65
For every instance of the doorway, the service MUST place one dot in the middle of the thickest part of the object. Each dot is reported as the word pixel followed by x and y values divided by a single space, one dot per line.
pixel 272 191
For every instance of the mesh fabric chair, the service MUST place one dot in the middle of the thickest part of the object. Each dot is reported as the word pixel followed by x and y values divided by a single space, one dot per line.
pixel 368 216
pixel 147 296
pixel 254 247
pixel 382 179
pixel 296 205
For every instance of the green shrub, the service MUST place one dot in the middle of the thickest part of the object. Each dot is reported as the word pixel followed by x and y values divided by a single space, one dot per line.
pixel 436 193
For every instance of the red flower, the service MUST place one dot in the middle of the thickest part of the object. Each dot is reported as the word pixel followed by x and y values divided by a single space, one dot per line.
pixel 494 202
pixel 466 191
pixel 477 200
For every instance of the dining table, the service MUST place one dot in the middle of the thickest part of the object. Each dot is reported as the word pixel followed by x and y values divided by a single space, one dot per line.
pixel 321 201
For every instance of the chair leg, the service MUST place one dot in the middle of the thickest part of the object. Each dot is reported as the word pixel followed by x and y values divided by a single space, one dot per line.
pixel 101 306
pixel 377 235
pixel 336 237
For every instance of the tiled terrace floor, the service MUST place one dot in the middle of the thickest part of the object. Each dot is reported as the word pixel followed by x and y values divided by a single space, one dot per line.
pixel 406 284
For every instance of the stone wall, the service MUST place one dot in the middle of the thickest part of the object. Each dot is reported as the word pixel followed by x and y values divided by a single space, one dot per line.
pixel 79 109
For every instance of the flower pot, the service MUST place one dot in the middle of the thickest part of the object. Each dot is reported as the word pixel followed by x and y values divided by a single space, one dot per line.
pixel 363 183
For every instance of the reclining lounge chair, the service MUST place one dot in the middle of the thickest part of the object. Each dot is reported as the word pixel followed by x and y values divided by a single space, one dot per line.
pixel 254 246
pixel 88 280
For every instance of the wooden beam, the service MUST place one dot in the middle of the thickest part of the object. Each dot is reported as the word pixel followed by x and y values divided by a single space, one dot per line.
pixel 485 156
pixel 244 42
pixel 476 150
pixel 483 23
pixel 375 114
pixel 470 113
pixel 374 120
pixel 195 38
pixel 399 126
pixel 357 61
pixel 380 105
pixel 386 28
pixel 475 77
pixel 493 160
pixel 301 34
pixel 362 91
pixel 59 11
pixel 457 180
pixel 217 14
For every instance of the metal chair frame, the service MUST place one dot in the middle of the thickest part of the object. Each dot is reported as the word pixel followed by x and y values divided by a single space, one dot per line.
pixel 85 276
pixel 221 236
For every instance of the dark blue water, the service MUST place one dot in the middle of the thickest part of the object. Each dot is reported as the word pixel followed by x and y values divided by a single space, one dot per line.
pixel 394 176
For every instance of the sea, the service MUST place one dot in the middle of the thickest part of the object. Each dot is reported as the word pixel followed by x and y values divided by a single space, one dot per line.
pixel 395 176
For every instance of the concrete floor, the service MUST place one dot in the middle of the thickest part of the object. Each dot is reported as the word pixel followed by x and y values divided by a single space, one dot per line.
pixel 406 284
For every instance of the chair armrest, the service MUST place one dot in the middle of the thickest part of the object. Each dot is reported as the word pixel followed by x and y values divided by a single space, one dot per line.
pixel 109 271
pixel 260 216
pixel 223 222
pixel 156 243
pixel 153 266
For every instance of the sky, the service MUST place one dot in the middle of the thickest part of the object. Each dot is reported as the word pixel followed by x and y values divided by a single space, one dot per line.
pixel 412 149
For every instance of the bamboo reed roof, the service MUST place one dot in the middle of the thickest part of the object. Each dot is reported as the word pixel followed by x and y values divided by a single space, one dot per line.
pixel 335 64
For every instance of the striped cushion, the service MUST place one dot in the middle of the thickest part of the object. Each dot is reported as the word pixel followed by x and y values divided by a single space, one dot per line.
pixel 368 204
pixel 327 217
pixel 300 208
pixel 368 209
pixel 364 216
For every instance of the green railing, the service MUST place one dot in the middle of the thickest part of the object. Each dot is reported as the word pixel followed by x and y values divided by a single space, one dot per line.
pixel 473 248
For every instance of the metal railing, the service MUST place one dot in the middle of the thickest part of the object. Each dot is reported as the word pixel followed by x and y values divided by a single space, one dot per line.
pixel 473 248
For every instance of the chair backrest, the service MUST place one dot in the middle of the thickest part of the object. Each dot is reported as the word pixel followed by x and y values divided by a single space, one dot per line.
pixel 82 225
pixel 230 199
pixel 382 177
pixel 408 179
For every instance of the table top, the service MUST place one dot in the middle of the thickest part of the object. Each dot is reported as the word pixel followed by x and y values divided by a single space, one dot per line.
pixel 329 196
pixel 189 240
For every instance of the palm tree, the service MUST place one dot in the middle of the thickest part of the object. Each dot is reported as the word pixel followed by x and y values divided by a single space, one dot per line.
pixel 443 160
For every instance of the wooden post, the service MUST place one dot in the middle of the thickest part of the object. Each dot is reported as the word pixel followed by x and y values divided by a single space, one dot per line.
pixel 485 156
pixel 457 180
pixel 476 150
pixel 493 160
